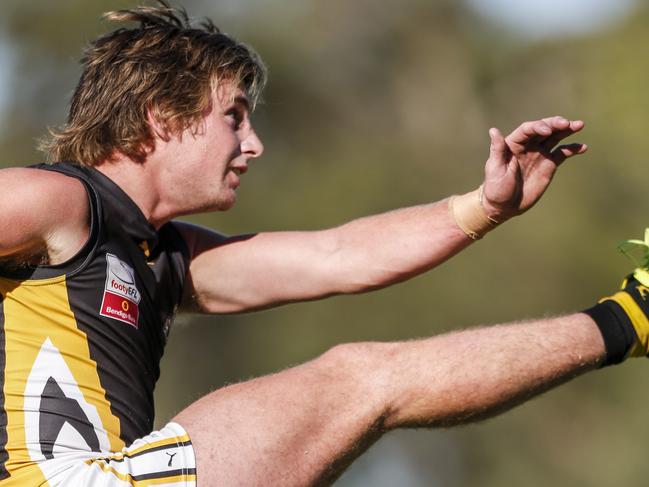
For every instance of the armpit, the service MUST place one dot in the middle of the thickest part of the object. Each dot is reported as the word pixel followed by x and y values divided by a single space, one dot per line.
pixel 22 262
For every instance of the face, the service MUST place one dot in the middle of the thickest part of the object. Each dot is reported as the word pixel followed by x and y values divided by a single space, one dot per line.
pixel 205 165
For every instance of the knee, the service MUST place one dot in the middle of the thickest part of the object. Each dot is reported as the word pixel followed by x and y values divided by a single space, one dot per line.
pixel 359 361
pixel 363 369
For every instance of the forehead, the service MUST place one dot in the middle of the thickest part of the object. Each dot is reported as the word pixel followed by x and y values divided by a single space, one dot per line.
pixel 227 93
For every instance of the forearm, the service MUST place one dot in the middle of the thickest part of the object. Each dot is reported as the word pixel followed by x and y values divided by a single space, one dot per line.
pixel 380 250
pixel 465 376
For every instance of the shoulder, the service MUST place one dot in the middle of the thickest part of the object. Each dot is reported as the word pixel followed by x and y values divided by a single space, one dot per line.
pixel 48 198
pixel 37 186
pixel 40 207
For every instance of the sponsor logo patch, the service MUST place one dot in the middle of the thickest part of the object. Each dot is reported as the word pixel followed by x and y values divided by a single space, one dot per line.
pixel 121 296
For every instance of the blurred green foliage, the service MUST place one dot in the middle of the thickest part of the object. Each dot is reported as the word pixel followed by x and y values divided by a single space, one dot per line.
pixel 374 105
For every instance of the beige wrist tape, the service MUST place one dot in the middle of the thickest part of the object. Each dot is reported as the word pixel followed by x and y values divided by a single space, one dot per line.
pixel 469 214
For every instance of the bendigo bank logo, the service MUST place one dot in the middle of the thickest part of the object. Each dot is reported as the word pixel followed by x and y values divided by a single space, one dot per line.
pixel 121 296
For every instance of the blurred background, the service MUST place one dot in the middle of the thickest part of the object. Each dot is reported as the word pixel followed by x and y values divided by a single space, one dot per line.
pixel 374 105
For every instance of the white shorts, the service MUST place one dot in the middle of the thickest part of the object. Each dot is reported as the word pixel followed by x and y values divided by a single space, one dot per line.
pixel 165 458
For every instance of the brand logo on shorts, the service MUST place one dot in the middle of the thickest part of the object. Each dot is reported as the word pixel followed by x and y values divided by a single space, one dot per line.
pixel 121 296
pixel 171 458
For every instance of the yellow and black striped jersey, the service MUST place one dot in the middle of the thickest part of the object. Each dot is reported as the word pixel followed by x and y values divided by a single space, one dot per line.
pixel 81 342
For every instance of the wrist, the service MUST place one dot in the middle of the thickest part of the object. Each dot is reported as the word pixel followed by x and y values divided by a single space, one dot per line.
pixel 470 215
pixel 498 212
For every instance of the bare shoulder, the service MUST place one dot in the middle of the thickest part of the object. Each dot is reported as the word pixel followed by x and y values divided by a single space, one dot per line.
pixel 41 211
pixel 40 184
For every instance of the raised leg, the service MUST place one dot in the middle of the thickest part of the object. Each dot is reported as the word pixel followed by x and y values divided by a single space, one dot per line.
pixel 305 425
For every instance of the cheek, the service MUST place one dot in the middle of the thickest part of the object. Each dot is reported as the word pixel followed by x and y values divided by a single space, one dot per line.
pixel 225 143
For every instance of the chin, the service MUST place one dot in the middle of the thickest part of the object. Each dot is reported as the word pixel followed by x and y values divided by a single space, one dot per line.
pixel 225 204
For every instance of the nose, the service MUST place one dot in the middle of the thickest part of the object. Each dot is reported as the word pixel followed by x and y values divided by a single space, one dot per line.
pixel 252 145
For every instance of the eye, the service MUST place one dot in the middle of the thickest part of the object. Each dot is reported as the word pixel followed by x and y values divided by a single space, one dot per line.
pixel 235 117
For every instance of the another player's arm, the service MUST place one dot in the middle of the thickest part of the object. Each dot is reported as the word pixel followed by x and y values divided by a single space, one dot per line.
pixel 43 215
pixel 244 273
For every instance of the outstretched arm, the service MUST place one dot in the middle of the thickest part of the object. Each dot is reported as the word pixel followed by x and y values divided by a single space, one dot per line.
pixel 244 273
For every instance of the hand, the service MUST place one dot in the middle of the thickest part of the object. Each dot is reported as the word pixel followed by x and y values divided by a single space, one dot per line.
pixel 521 165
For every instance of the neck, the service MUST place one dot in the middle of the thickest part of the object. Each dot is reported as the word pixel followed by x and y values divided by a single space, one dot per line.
pixel 138 181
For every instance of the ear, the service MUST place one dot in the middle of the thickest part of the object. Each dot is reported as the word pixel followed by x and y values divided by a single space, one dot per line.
pixel 159 128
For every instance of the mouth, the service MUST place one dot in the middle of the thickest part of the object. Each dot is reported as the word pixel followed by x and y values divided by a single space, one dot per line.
pixel 239 170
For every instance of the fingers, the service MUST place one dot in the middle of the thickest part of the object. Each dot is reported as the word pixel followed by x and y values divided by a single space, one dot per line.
pixel 574 127
pixel 548 131
pixel 563 152
pixel 529 131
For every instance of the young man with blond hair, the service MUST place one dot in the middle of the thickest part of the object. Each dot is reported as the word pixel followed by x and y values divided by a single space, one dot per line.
pixel 160 127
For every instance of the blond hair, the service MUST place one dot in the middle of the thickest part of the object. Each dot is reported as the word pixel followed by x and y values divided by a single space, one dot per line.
pixel 165 67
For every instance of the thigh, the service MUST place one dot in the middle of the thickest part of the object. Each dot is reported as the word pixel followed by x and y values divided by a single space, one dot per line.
pixel 299 427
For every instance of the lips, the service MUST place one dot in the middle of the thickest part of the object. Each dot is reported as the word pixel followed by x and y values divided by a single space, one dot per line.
pixel 239 169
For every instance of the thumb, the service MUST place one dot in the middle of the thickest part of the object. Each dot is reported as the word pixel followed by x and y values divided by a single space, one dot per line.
pixel 498 154
pixel 498 147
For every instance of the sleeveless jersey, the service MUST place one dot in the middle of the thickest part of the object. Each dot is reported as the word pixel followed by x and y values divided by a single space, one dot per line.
pixel 81 342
